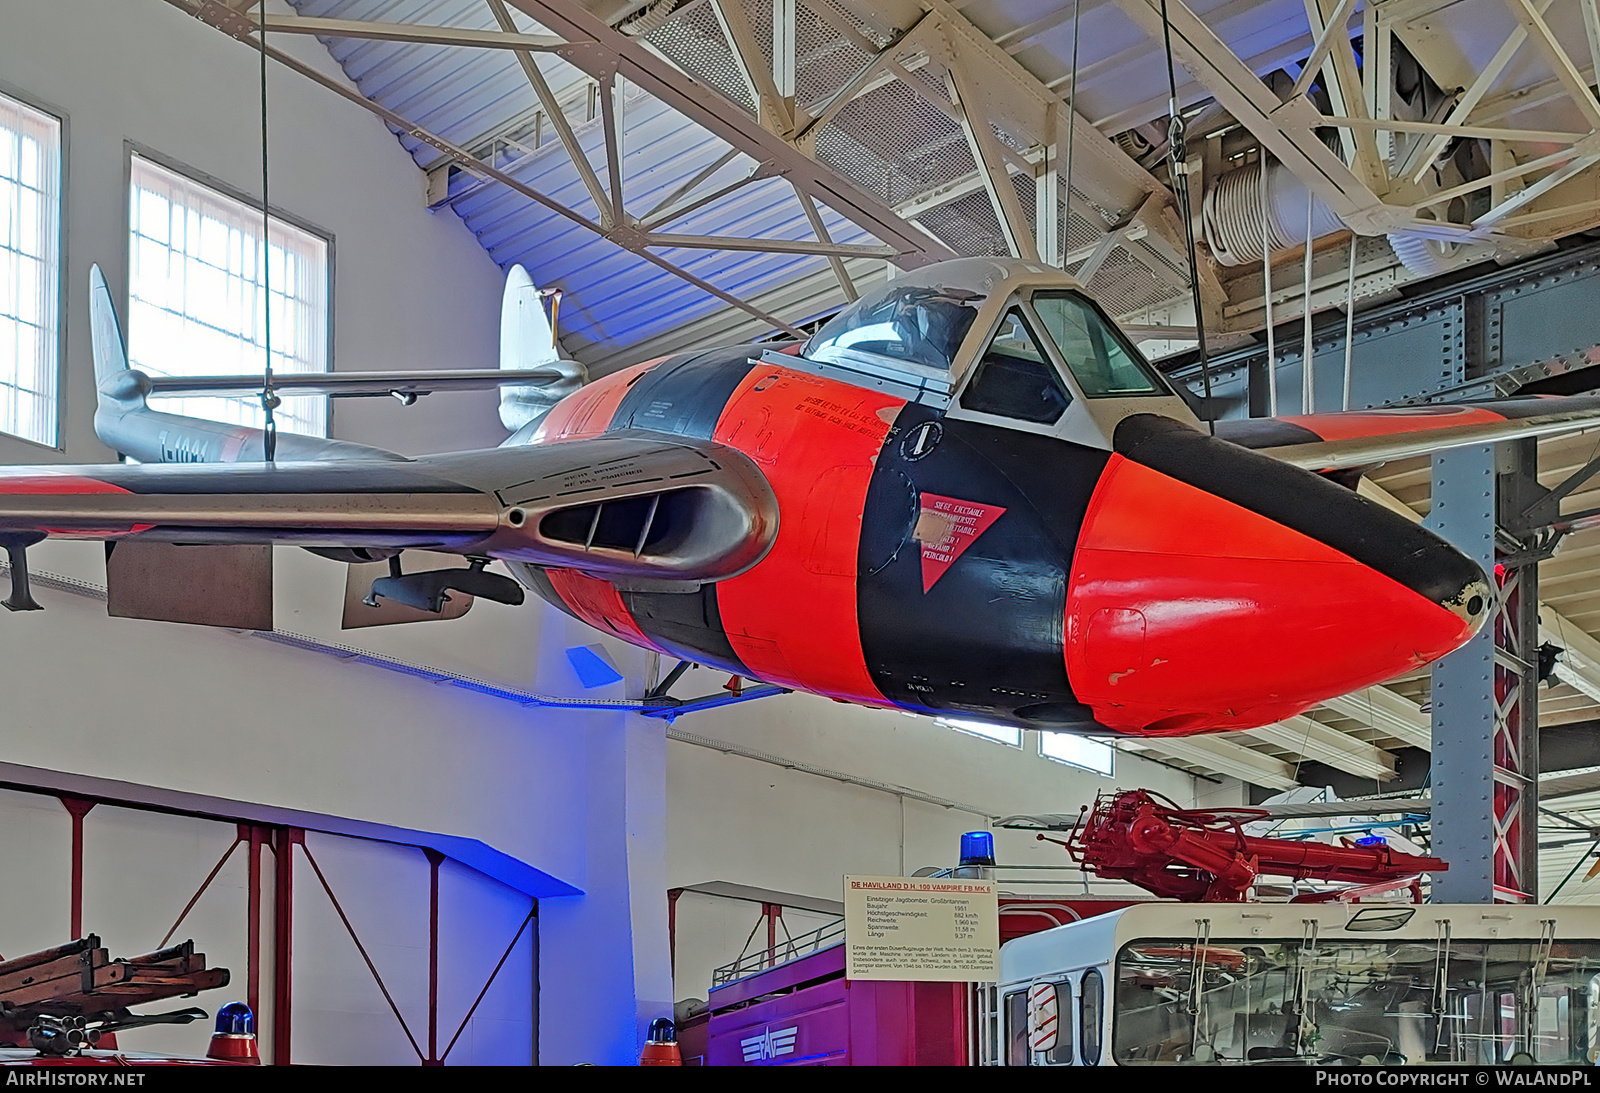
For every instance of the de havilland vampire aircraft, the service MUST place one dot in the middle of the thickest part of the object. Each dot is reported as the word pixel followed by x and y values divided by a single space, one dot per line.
pixel 967 494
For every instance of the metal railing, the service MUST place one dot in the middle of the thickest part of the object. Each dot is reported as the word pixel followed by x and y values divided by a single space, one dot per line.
pixel 793 948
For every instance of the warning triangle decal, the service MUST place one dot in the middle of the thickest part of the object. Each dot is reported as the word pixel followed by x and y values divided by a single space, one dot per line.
pixel 946 527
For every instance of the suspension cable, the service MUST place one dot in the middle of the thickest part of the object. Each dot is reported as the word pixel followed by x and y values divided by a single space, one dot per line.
pixel 1177 156
pixel 1349 318
pixel 1308 356
pixel 1072 115
pixel 269 397
pixel 1266 295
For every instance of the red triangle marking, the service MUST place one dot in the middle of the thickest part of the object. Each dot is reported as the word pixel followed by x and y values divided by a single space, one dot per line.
pixel 966 521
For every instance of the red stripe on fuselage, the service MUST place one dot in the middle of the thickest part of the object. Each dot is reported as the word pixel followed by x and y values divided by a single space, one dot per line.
pixel 34 482
pixel 792 619
pixel 599 604
pixel 66 485
pixel 1403 419
pixel 588 411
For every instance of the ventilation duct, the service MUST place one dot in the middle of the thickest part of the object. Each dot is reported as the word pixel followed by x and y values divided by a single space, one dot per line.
pixel 644 23
pixel 1233 222
pixel 1232 218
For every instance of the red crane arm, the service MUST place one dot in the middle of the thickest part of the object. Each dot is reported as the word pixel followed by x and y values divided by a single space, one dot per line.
pixel 1206 856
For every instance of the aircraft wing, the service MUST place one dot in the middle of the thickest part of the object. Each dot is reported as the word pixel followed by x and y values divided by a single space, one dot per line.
pixel 1358 438
pixel 626 505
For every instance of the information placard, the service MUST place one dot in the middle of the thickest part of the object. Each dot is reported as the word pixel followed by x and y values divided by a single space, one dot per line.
pixel 921 928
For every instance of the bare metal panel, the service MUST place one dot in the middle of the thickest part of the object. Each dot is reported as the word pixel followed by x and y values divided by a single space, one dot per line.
pixel 1534 318
pixel 208 585
pixel 358 583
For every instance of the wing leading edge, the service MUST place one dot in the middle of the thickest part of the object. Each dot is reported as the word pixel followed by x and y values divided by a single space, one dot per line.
pixel 624 506
pixel 1358 438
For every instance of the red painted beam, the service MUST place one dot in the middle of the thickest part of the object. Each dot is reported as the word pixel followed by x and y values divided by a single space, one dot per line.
pixel 79 808
pixel 257 836
pixel 283 845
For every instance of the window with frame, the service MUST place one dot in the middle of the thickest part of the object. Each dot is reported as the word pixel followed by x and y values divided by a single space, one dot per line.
pixel 1018 1052
pixel 199 282
pixel 1015 379
pixel 1005 734
pixel 30 272
pixel 1091 997
pixel 1078 751
pixel 1105 363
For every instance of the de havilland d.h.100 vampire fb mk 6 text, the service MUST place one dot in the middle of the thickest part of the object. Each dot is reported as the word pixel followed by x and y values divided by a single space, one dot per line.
pixel 966 494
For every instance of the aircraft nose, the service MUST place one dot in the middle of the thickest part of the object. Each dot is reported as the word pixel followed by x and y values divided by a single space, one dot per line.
pixel 1215 588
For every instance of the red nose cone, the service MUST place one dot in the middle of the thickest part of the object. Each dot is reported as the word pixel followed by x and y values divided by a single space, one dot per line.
pixel 1189 613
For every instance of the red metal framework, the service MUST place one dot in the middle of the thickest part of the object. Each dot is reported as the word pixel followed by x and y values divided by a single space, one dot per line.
pixel 1205 856
pixel 281 841
pixel 1515 718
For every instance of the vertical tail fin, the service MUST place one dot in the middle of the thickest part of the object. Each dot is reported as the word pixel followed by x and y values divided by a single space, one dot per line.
pixel 527 341
pixel 110 352
pixel 121 390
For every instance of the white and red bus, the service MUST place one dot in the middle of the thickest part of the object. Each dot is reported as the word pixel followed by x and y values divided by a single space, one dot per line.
pixel 1321 983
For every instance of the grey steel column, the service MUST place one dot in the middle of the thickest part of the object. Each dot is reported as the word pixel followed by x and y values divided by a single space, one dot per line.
pixel 1463 829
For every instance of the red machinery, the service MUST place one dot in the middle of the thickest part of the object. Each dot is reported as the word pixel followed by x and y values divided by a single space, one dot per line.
pixel 1205 856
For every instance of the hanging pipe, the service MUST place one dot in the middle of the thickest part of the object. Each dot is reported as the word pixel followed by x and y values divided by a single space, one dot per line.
pixel 1254 203
pixel 1308 356
pixel 1266 299
pixel 1349 321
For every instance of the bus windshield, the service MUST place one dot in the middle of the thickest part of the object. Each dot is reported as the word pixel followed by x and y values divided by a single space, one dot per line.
pixel 1344 1001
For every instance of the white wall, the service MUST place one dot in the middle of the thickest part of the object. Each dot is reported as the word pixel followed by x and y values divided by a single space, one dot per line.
pixel 411 289
pixel 598 799
pixel 577 794
pixel 736 819
pixel 237 717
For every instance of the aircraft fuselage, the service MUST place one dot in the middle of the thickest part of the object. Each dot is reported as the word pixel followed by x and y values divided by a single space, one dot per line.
pixel 1175 584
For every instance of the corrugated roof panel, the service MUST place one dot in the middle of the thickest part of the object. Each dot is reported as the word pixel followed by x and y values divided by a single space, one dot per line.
pixel 615 299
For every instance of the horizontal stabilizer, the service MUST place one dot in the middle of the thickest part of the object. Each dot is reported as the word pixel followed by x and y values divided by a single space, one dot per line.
pixel 366 384
pixel 124 421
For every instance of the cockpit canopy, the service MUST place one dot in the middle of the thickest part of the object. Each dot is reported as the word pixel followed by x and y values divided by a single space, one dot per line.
pixel 927 319
pixel 918 324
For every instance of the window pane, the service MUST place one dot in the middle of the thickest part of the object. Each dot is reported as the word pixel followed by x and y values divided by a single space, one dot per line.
pixel 1006 734
pixel 30 270
pixel 1104 364
pixel 1091 997
pixel 1077 750
pixel 1017 1050
pixel 1015 379
pixel 921 325
pixel 197 305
